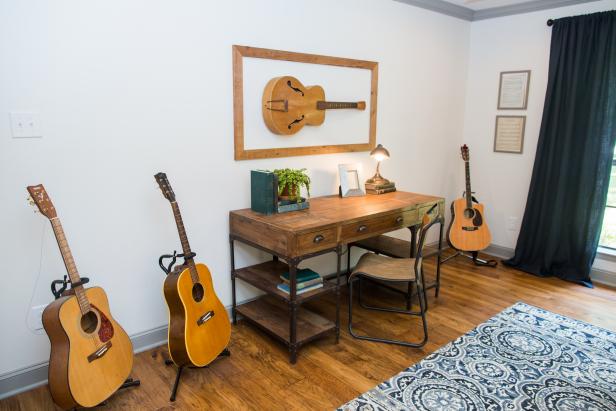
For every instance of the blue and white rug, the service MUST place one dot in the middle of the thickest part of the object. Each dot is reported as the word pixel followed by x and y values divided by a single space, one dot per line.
pixel 524 358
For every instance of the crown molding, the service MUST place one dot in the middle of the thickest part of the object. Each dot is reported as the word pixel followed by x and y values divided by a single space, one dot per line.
pixel 526 7
pixel 442 7
pixel 468 14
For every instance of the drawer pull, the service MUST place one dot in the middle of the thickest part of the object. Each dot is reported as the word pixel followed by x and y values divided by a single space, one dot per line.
pixel 399 219
pixel 318 239
pixel 362 228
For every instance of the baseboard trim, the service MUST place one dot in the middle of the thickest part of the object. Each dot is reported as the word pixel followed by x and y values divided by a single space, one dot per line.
pixel 499 251
pixel 27 378
pixel 597 275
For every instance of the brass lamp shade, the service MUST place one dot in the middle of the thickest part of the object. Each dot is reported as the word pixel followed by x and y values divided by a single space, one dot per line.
pixel 379 153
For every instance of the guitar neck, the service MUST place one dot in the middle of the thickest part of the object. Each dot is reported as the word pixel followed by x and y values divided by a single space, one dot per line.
pixel 333 105
pixel 71 268
pixel 184 240
pixel 468 194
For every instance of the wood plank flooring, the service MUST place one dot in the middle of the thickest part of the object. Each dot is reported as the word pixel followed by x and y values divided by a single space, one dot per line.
pixel 258 375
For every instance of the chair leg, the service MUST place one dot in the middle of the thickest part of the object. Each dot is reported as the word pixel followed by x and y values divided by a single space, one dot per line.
pixel 384 340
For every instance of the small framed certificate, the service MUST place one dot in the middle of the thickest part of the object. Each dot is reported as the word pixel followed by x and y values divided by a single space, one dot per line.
pixel 509 134
pixel 513 90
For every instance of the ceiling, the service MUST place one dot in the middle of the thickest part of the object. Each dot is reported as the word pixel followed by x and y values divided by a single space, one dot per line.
pixel 485 4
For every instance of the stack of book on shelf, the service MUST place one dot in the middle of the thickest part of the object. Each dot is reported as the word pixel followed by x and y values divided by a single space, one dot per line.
pixel 307 280
pixel 380 188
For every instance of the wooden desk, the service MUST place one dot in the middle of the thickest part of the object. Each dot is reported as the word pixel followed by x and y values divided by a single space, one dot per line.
pixel 327 226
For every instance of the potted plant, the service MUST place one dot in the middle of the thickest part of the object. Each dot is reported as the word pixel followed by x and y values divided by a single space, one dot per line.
pixel 290 182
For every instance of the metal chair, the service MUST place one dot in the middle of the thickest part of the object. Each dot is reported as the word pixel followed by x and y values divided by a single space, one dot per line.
pixel 403 270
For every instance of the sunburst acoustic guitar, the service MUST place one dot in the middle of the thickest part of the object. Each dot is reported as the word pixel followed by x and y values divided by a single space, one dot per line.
pixel 91 355
pixel 199 328
pixel 288 105
pixel 468 230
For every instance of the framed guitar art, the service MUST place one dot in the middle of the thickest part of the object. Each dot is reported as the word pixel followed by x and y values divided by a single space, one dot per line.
pixel 293 104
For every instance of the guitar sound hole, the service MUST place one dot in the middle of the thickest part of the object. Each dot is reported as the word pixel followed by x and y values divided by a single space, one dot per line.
pixel 89 322
pixel 197 292
pixel 469 213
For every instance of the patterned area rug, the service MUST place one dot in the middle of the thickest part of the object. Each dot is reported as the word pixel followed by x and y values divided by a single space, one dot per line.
pixel 524 358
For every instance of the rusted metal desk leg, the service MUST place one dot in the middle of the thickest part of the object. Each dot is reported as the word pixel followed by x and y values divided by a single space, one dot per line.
pixel 293 307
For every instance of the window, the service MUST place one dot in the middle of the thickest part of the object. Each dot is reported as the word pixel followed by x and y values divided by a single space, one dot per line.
pixel 608 231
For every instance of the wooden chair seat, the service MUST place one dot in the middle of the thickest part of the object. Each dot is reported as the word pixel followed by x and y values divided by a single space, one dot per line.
pixel 380 267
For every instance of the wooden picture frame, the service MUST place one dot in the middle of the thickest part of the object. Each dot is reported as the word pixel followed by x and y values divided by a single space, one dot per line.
pixel 519 86
pixel 241 153
pixel 512 139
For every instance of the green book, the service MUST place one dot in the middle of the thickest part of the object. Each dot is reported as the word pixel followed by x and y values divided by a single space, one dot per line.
pixel 263 192
pixel 305 274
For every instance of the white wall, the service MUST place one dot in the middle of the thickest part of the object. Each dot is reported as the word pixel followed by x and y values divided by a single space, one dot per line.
pixel 516 42
pixel 126 89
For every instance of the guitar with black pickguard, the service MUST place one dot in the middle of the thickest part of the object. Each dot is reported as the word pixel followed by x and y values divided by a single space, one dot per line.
pixel 468 230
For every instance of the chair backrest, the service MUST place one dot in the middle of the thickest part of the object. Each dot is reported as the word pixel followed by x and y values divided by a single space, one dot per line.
pixel 429 219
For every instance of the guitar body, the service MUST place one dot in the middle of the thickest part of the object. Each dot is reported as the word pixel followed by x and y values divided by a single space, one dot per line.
pixel 75 380
pixel 189 342
pixel 468 230
pixel 288 105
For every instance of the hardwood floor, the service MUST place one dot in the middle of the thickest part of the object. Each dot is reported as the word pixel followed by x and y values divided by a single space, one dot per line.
pixel 258 376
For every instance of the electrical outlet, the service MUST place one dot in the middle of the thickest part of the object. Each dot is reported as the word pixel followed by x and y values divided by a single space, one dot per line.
pixel 26 125
pixel 512 223
pixel 35 319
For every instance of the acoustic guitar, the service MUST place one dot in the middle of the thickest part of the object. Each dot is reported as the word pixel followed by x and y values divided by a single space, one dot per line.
pixel 199 329
pixel 288 106
pixel 91 355
pixel 468 230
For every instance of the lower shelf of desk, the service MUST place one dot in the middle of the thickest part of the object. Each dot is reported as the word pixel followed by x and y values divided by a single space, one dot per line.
pixel 272 316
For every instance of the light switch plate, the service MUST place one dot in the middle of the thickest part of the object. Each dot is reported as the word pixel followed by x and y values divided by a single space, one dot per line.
pixel 25 125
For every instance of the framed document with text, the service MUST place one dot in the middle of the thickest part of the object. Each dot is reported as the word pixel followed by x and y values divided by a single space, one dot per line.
pixel 513 90
pixel 509 134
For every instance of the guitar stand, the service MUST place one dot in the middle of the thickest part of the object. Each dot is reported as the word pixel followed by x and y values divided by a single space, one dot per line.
pixel 473 256
pixel 174 390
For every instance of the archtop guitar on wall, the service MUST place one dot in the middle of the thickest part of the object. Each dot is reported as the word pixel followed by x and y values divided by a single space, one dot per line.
pixel 468 230
pixel 288 105
pixel 199 328
pixel 91 355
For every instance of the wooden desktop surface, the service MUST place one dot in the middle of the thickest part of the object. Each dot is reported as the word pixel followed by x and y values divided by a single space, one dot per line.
pixel 331 220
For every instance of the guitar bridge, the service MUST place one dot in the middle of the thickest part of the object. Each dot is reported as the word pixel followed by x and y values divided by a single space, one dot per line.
pixel 99 352
pixel 282 105
pixel 470 228
pixel 205 317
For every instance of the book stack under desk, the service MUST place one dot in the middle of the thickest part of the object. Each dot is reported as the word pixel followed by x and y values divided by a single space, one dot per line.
pixel 267 276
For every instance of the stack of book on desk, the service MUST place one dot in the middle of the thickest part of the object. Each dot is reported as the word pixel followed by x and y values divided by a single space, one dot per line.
pixel 380 188
pixel 307 280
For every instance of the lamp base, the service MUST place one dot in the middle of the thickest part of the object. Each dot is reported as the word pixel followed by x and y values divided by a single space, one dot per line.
pixel 378 180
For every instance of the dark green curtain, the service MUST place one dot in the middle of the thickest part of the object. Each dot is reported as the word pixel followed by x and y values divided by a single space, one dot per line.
pixel 566 199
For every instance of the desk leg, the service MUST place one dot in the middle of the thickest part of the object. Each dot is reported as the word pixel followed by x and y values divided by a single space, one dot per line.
pixel 413 253
pixel 234 303
pixel 339 264
pixel 438 259
pixel 413 241
pixel 293 306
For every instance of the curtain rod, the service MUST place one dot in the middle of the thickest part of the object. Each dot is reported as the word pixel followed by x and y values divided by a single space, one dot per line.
pixel 550 22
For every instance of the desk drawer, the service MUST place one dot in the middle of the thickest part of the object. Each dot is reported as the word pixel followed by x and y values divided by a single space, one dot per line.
pixel 377 225
pixel 316 241
pixel 426 207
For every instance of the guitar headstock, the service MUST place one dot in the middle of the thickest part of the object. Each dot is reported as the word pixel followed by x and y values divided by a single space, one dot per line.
pixel 465 154
pixel 39 197
pixel 165 187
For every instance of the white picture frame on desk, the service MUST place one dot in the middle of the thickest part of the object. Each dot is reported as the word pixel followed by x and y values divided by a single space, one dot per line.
pixel 350 180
